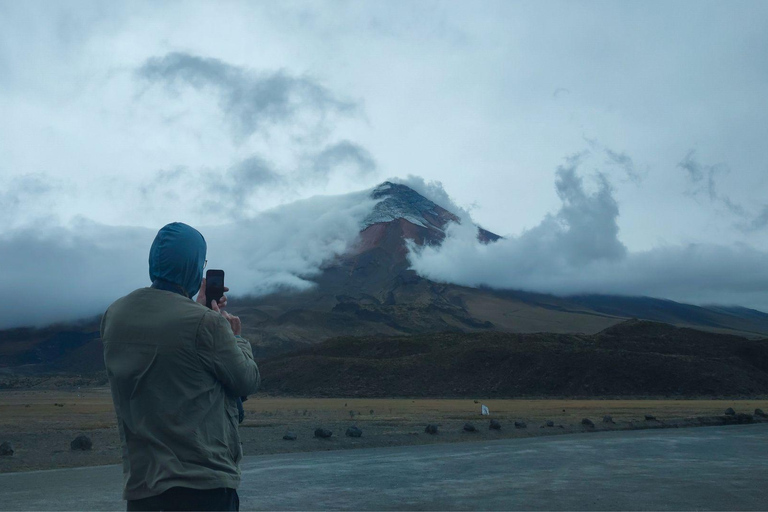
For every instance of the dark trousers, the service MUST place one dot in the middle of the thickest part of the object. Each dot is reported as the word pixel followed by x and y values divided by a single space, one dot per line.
pixel 184 498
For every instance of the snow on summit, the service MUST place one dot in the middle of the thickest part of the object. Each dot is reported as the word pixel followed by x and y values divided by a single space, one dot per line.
pixel 402 202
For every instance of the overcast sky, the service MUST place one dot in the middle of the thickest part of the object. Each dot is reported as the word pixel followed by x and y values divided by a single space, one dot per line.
pixel 118 118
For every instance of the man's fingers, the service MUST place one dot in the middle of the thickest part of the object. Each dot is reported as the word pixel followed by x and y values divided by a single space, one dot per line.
pixel 201 294
pixel 236 325
pixel 215 306
pixel 226 289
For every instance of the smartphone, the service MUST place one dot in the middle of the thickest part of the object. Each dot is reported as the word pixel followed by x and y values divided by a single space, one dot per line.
pixel 214 286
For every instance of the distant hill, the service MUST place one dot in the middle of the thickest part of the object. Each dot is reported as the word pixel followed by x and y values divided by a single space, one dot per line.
pixel 632 359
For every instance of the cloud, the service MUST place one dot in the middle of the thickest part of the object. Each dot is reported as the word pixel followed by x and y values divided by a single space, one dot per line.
pixel 702 178
pixel 250 101
pixel 70 273
pixel 577 251
pixel 760 221
pixel 616 159
pixel 23 188
pixel 625 162
pixel 434 191
pixel 234 192
pixel 231 192
pixel 282 248
pixel 343 153
pixel 60 274
pixel 26 199
pixel 294 163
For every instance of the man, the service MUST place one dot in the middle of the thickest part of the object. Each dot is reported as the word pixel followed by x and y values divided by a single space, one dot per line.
pixel 176 370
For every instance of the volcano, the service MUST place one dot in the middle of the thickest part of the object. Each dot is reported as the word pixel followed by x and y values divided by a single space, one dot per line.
pixel 371 291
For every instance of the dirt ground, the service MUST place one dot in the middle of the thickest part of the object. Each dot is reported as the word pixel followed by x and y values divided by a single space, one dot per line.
pixel 41 423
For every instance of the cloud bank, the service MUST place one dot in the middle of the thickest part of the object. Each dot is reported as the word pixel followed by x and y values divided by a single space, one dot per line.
pixel 73 272
pixel 69 273
pixel 577 250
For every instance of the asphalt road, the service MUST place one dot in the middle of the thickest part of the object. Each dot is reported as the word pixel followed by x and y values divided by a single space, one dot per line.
pixel 713 468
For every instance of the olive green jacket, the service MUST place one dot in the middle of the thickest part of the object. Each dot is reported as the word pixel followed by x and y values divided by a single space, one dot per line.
pixel 176 370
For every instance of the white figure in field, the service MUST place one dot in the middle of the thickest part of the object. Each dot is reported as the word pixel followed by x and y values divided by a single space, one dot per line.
pixel 484 410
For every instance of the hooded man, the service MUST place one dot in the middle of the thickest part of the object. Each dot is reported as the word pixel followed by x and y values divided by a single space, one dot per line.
pixel 176 370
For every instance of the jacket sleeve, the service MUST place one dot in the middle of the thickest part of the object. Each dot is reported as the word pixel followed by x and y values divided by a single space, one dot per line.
pixel 227 357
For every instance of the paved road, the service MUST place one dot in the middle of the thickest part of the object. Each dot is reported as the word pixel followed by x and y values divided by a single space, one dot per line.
pixel 714 468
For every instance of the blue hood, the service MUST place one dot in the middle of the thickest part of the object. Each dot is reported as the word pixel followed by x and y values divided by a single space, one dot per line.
pixel 178 256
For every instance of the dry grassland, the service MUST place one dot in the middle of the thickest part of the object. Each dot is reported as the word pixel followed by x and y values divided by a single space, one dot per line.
pixel 41 423
pixel 560 411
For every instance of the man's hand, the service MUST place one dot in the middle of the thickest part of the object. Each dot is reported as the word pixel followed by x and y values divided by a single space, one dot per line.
pixel 201 296
pixel 234 321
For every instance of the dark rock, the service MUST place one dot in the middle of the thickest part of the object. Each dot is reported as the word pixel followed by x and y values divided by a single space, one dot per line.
pixel 495 425
pixel 730 412
pixel 607 419
pixel 6 449
pixel 468 427
pixel 520 424
pixel 744 418
pixel 353 432
pixel 712 420
pixel 323 433
pixel 759 412
pixel 290 436
pixel 648 417
pixel 587 423
pixel 550 423
pixel 81 442
pixel 431 429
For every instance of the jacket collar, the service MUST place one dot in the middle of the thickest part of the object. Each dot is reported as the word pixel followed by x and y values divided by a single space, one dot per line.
pixel 161 284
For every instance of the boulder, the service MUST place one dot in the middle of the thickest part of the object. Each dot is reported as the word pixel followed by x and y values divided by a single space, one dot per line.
pixel 759 412
pixel 587 423
pixel 744 418
pixel 6 449
pixel 431 429
pixel 290 436
pixel 607 419
pixel 81 442
pixel 648 417
pixel 323 433
pixel 730 412
pixel 353 432
pixel 495 425
pixel 550 423
pixel 468 427
pixel 520 424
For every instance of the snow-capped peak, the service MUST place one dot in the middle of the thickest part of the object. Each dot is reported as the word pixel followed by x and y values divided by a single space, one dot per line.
pixel 398 201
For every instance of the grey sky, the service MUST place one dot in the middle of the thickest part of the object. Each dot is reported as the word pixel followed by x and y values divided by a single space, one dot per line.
pixel 143 113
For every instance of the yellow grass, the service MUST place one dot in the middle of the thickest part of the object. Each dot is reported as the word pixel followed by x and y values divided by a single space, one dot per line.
pixel 571 411
pixel 92 408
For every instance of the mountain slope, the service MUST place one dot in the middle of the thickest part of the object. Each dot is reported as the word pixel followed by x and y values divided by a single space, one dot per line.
pixel 634 358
